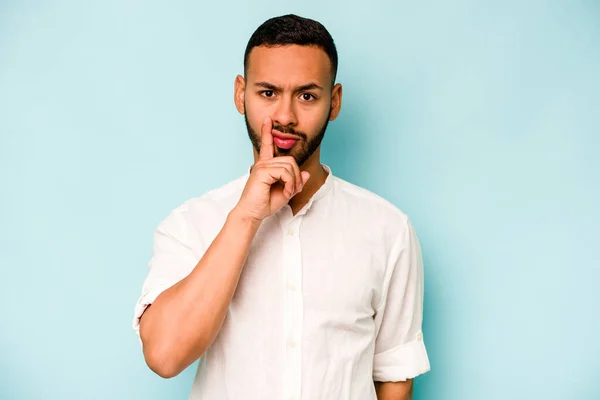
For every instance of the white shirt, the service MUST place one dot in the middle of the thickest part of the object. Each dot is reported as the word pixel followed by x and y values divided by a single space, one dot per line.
pixel 329 300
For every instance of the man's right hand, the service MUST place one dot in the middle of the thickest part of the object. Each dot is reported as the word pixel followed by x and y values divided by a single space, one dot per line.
pixel 273 180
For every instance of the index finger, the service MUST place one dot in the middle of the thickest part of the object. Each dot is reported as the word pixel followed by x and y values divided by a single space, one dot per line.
pixel 266 140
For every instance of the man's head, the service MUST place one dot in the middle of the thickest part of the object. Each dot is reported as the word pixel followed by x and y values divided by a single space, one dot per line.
pixel 290 65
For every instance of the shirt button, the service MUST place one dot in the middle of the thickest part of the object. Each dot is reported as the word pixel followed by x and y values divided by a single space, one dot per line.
pixel 420 336
pixel 292 343
pixel 290 232
pixel 292 287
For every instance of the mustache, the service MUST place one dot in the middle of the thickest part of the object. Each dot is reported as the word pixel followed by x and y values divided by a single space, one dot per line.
pixel 289 130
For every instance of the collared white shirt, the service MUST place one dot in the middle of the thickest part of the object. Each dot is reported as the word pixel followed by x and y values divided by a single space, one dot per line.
pixel 329 300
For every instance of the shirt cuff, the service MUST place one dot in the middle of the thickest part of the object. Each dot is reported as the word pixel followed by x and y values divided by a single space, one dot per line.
pixel 143 303
pixel 401 363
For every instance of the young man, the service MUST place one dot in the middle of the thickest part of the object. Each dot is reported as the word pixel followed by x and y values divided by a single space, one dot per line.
pixel 288 282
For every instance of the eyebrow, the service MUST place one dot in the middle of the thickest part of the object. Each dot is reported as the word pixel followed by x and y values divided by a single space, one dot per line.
pixel 302 88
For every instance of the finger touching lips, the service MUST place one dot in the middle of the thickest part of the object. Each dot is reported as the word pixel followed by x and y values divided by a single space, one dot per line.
pixel 266 140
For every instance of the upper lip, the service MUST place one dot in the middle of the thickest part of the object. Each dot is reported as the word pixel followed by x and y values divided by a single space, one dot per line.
pixel 282 135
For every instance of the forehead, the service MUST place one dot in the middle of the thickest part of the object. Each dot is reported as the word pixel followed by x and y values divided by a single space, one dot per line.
pixel 288 65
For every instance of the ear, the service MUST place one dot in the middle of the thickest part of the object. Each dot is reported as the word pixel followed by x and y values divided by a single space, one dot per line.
pixel 239 90
pixel 336 101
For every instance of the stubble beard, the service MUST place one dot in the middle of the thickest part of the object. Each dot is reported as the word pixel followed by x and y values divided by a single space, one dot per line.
pixel 302 150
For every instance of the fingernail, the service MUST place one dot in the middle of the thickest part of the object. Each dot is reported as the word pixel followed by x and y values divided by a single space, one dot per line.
pixel 266 120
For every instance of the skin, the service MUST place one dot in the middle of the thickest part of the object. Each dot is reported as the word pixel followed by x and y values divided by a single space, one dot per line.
pixel 285 70
pixel 289 88
pixel 394 390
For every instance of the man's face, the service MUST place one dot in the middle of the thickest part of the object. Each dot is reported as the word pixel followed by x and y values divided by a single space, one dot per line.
pixel 291 85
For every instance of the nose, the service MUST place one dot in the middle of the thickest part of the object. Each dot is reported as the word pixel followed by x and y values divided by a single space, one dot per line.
pixel 284 113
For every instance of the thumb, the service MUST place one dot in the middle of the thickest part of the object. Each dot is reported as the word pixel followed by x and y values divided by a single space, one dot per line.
pixel 305 175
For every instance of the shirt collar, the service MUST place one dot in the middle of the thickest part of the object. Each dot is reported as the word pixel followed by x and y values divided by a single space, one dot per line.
pixel 319 194
pixel 325 187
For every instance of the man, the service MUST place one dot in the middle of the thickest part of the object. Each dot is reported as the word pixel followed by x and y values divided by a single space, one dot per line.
pixel 288 282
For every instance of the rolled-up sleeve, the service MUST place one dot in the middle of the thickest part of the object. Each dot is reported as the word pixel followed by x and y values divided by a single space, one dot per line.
pixel 400 352
pixel 172 260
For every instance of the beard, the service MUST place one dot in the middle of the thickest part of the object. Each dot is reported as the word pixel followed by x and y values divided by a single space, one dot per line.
pixel 302 149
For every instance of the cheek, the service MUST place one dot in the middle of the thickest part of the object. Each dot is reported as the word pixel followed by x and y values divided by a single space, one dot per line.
pixel 315 118
pixel 255 115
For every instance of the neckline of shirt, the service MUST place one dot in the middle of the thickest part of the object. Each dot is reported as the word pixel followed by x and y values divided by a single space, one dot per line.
pixel 325 187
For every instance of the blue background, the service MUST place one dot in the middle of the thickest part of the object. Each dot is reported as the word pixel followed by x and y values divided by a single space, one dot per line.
pixel 479 119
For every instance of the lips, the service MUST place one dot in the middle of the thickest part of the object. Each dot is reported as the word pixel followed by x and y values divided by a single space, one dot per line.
pixel 282 135
pixel 284 140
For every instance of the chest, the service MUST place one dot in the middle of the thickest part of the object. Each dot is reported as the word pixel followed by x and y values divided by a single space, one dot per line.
pixel 336 271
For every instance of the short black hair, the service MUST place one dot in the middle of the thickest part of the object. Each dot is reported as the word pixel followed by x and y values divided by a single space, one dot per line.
pixel 292 29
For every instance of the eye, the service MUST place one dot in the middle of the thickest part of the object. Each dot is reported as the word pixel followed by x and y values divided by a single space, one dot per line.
pixel 308 96
pixel 267 93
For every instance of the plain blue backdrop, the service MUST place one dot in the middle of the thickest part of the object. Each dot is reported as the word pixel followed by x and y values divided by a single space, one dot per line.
pixel 479 119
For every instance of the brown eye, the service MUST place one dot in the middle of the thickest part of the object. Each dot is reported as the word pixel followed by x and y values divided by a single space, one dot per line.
pixel 307 97
pixel 267 93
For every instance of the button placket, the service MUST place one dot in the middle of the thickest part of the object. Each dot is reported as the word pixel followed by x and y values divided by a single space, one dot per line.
pixel 294 309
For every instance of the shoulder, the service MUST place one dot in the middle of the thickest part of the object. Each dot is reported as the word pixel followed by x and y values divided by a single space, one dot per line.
pixel 376 218
pixel 210 207
pixel 369 203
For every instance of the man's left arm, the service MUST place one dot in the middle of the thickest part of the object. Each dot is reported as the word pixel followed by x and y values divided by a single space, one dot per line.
pixel 394 390
pixel 400 353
